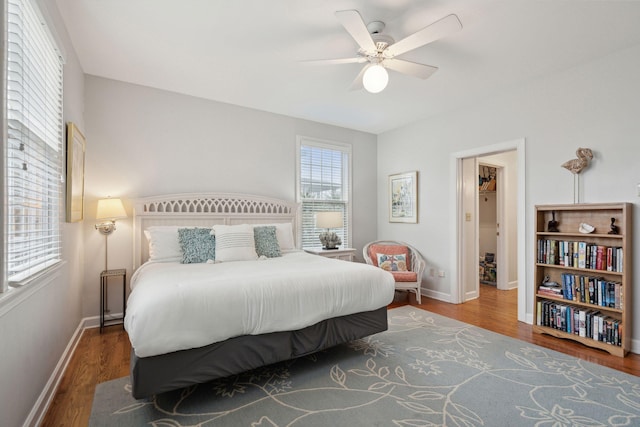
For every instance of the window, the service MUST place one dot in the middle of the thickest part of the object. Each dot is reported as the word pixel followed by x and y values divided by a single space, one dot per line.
pixel 323 181
pixel 33 150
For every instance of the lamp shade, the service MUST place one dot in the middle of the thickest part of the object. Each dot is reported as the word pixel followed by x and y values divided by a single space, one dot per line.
pixel 109 209
pixel 375 79
pixel 329 220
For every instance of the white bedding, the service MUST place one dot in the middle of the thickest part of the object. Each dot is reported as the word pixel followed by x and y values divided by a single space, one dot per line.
pixel 176 306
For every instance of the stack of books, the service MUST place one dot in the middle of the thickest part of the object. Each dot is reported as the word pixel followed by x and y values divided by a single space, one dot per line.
pixel 551 288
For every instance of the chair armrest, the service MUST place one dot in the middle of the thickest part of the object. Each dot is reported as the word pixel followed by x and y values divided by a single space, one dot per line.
pixel 365 255
pixel 420 265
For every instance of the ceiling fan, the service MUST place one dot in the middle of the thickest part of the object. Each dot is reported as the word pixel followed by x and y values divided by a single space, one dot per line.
pixel 380 51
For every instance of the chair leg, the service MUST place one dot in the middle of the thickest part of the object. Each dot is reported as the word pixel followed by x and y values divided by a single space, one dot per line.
pixel 418 296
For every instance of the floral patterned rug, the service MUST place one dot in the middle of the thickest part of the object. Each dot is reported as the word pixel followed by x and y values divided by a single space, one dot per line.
pixel 426 370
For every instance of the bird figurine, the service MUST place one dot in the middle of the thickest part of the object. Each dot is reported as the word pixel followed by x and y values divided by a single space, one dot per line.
pixel 576 166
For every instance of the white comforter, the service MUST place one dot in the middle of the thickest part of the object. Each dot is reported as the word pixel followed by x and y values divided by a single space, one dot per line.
pixel 176 306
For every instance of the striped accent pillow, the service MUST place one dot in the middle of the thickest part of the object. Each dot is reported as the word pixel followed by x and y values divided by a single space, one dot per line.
pixel 234 242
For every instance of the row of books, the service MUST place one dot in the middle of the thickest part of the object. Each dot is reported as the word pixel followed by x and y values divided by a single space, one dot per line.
pixel 580 255
pixel 586 289
pixel 584 323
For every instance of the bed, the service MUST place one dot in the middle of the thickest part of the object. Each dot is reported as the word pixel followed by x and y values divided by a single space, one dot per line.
pixel 195 322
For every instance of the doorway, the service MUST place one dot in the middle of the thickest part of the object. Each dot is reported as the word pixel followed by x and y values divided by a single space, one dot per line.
pixel 491 254
pixel 465 253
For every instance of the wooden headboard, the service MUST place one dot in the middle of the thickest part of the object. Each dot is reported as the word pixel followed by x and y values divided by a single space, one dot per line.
pixel 206 210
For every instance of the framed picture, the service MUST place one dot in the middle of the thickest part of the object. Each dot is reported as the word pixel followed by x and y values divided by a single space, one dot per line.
pixel 403 197
pixel 75 173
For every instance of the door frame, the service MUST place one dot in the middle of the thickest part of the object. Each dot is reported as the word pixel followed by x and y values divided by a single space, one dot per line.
pixel 455 180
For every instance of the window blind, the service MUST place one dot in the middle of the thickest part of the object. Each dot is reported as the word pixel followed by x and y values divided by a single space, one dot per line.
pixel 324 186
pixel 34 154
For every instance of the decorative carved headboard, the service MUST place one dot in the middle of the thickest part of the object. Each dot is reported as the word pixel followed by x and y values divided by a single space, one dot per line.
pixel 206 210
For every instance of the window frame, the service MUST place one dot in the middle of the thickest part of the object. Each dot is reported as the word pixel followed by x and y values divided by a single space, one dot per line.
pixel 347 188
pixel 45 38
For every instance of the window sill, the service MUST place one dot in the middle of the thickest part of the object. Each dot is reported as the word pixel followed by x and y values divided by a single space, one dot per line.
pixel 13 297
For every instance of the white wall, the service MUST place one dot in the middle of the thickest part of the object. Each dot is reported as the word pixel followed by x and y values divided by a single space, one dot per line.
pixel 35 333
pixel 142 142
pixel 595 105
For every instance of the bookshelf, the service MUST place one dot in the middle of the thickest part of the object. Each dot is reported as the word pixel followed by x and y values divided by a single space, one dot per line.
pixel 593 271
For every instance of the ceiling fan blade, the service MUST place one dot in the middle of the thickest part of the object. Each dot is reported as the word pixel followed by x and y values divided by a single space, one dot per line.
pixel 357 82
pixel 353 23
pixel 355 60
pixel 414 69
pixel 447 25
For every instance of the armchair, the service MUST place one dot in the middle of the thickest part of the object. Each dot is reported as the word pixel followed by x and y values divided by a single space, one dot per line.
pixel 400 259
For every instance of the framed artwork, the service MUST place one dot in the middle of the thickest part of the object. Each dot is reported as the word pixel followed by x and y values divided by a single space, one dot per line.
pixel 403 197
pixel 75 173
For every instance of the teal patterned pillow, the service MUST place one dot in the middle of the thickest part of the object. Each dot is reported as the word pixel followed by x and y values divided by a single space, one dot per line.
pixel 266 241
pixel 198 245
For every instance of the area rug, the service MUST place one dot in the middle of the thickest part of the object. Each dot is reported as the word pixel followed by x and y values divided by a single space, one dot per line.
pixel 426 370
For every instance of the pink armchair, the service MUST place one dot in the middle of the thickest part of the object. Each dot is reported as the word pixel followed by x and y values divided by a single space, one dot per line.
pixel 400 259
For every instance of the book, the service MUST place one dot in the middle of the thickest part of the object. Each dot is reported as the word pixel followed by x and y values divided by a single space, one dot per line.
pixel 582 327
pixel 601 258
pixel 591 284
pixel 582 254
pixel 611 295
pixel 620 256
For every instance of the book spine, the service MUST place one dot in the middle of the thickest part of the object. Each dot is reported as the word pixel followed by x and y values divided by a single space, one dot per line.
pixel 582 331
pixel 582 254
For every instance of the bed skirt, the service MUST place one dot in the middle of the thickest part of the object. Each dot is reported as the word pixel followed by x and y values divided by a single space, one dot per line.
pixel 165 372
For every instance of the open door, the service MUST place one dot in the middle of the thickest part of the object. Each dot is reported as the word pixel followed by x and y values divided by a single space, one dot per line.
pixel 492 256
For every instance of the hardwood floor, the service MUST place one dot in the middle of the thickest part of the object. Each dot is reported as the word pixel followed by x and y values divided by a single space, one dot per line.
pixel 103 357
pixel 97 358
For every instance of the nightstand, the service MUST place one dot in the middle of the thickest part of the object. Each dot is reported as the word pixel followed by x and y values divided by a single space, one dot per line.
pixel 104 282
pixel 346 254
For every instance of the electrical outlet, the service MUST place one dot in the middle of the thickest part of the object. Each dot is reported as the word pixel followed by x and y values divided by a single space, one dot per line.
pixel 467 216
pixel 441 273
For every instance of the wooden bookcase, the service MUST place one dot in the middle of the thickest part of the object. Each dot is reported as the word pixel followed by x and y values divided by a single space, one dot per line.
pixel 579 267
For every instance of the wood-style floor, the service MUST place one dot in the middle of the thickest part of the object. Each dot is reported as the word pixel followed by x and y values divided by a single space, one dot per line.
pixel 103 357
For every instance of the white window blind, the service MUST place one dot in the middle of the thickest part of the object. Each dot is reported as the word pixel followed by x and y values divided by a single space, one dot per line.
pixel 323 183
pixel 34 154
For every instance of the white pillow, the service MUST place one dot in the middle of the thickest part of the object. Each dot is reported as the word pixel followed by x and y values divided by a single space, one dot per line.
pixel 284 234
pixel 234 242
pixel 164 245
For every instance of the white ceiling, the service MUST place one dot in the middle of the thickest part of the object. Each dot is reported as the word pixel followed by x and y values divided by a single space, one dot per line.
pixel 251 52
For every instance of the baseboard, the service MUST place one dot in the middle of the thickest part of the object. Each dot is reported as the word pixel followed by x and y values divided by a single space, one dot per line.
pixel 44 400
pixel 528 318
pixel 509 286
pixel 92 322
pixel 440 296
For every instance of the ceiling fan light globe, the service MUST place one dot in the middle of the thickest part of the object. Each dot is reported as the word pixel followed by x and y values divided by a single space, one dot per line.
pixel 375 79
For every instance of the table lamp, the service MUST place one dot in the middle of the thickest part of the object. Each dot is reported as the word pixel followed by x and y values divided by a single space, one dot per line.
pixel 329 220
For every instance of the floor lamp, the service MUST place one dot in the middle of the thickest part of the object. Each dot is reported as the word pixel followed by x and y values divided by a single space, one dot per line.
pixel 108 211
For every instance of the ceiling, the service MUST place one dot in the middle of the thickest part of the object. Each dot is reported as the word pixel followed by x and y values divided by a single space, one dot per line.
pixel 251 52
